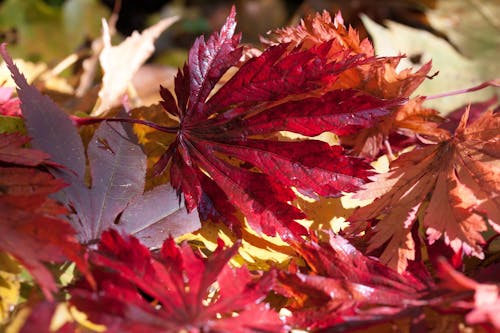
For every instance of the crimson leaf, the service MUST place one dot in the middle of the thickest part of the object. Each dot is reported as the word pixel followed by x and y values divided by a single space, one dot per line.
pixel 348 290
pixel 174 292
pixel 225 139
pixel 30 227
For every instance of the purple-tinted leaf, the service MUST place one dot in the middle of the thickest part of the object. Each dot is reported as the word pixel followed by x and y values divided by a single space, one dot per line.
pixel 51 129
pixel 157 215
pixel 118 166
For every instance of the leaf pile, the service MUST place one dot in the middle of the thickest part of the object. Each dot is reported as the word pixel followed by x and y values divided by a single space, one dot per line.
pixel 121 221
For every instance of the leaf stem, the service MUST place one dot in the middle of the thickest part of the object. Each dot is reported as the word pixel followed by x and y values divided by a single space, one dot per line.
pixel 89 121
pixel 493 83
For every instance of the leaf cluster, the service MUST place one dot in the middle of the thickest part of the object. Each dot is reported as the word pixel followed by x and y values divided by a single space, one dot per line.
pixel 140 198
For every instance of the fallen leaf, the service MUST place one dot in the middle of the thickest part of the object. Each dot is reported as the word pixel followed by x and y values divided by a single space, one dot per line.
pixel 459 175
pixel 182 285
pixel 121 62
pixel 224 157
pixel 117 168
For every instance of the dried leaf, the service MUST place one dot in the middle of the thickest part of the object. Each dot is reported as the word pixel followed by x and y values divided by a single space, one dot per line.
pixel 460 176
pixel 121 62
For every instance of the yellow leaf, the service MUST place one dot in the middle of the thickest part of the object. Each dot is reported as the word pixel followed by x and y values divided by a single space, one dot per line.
pixel 256 251
pixel 121 62
pixel 9 285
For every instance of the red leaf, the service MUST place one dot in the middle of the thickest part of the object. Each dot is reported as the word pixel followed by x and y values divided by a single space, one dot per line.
pixel 347 289
pixel 486 301
pixel 12 151
pixel 30 227
pixel 174 292
pixel 228 134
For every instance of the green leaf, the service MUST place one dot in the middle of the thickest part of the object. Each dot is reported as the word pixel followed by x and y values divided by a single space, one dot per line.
pixel 44 32
pixel 9 284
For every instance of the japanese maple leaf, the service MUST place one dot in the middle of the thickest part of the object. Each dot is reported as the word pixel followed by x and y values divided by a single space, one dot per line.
pixel 224 140
pixel 347 290
pixel 30 226
pixel 174 291
pixel 460 178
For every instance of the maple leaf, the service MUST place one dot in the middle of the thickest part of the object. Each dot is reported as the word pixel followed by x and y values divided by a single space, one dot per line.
pixel 224 138
pixel 117 167
pixel 459 175
pixel 174 291
pixel 347 290
pixel 30 228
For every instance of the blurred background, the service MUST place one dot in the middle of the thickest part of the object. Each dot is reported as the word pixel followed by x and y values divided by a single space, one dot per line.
pixel 53 28
pixel 462 37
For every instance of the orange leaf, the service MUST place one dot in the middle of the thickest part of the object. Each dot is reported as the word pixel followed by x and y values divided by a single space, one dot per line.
pixel 460 176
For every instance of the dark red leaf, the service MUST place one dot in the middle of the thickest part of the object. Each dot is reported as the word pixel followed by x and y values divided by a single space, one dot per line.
pixel 12 151
pixel 283 89
pixel 173 292
pixel 347 289
pixel 30 226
